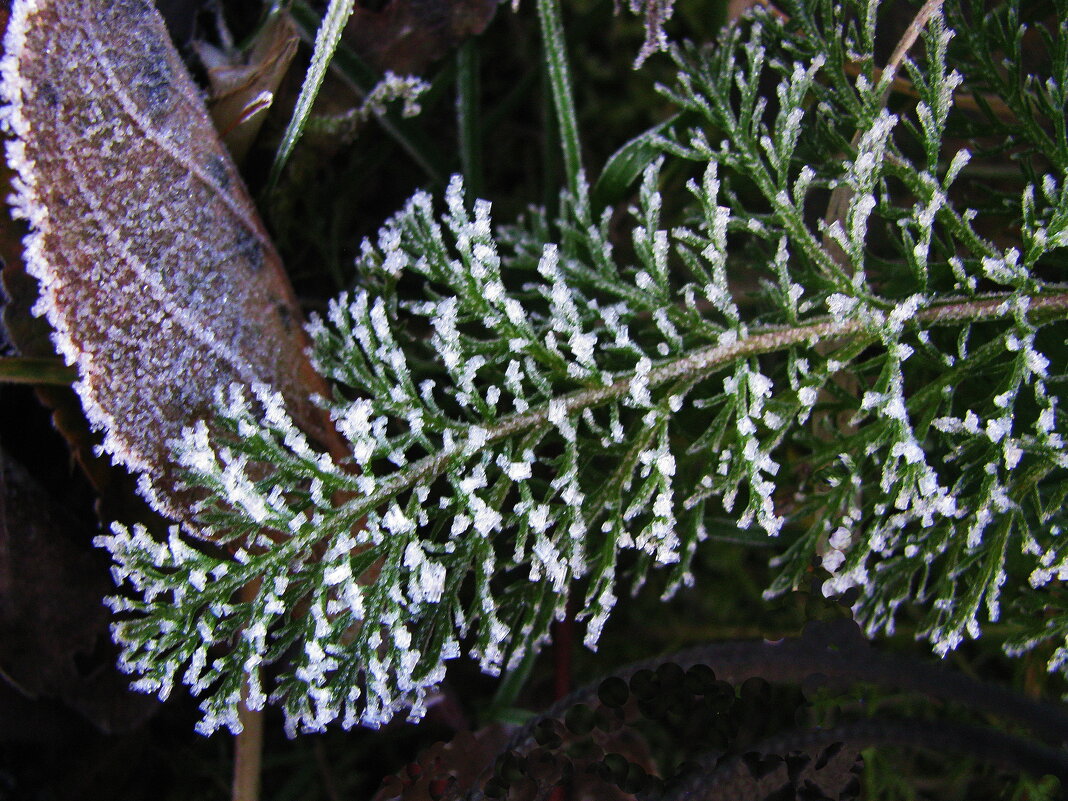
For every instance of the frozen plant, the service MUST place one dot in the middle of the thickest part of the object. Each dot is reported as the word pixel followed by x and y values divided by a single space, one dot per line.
pixel 852 339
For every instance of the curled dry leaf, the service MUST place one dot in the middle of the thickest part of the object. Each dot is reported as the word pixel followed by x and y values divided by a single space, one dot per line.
pixel 243 86
pixel 154 269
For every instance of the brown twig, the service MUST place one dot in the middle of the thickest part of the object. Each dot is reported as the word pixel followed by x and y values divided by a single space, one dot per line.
pixel 325 773
pixel 838 204
pixel 248 744
pixel 961 99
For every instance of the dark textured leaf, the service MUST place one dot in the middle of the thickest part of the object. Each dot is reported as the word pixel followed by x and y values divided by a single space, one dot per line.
pixel 53 629
pixel 407 35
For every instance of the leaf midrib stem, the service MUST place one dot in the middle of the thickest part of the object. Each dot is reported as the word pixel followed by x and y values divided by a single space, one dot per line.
pixel 698 365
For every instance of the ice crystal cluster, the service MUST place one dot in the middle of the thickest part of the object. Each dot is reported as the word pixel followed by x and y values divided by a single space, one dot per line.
pixel 848 336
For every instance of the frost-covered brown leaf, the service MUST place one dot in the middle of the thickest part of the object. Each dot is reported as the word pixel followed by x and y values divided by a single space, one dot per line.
pixel 155 271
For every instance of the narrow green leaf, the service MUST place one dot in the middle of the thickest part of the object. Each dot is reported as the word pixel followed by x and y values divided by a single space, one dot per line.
pixel 627 164
pixel 556 63
pixel 359 76
pixel 467 114
pixel 17 370
pixel 326 41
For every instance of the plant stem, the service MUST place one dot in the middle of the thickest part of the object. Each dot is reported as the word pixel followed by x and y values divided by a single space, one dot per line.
pixel 248 755
pixel 248 744
pixel 467 117
pixel 52 371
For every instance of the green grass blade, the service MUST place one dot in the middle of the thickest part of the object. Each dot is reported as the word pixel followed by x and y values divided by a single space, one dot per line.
pixel 17 370
pixel 467 116
pixel 361 78
pixel 326 41
pixel 627 164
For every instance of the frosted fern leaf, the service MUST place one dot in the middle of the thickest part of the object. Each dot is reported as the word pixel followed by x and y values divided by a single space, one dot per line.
pixel 531 414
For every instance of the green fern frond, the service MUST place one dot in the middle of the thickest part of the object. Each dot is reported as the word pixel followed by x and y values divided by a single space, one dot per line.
pixel 876 385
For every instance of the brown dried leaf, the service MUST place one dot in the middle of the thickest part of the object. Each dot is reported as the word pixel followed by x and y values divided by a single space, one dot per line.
pixel 407 35
pixel 31 337
pixel 155 271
